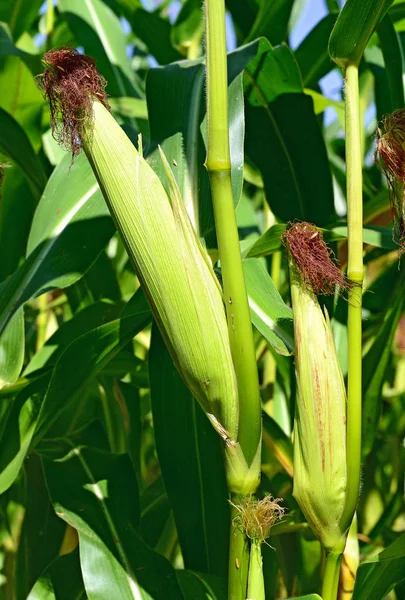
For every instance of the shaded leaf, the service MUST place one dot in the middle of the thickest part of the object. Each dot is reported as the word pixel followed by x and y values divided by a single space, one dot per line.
pixel 12 349
pixel 377 576
pixel 98 29
pixel 178 125
pixel 393 60
pixel 283 136
pixel 269 314
pixel 272 21
pixel 375 364
pixel 38 405
pixel 312 54
pixel 155 32
pixel 96 492
pixel 19 16
pixel 200 585
pixel 190 457
pixel 278 443
pixel 62 580
pixel 15 144
pixel 71 226
pixel 42 532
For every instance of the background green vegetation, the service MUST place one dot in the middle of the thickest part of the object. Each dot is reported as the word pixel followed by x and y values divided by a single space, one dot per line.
pixel 111 477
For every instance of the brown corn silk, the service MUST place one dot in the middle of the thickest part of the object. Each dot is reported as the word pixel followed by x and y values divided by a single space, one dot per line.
pixel 314 259
pixel 390 156
pixel 70 83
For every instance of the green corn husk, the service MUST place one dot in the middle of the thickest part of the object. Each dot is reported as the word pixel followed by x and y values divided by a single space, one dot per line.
pixel 319 431
pixel 173 269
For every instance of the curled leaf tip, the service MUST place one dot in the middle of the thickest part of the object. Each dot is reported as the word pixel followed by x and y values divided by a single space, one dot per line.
pixel 390 157
pixel 70 83
pixel 314 259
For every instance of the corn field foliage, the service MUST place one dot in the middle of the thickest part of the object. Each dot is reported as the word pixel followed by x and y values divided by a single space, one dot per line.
pixel 112 479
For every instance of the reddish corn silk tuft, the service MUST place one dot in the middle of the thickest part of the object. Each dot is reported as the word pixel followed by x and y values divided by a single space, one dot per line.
pixel 313 258
pixel 390 156
pixel 70 84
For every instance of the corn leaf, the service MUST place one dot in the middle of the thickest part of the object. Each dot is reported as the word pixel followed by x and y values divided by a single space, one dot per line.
pixel 355 25
pixel 61 580
pixel 190 457
pixel 269 314
pixel 377 576
pixel 97 493
pixel 98 29
pixel 282 135
pixel 39 405
pixel 70 228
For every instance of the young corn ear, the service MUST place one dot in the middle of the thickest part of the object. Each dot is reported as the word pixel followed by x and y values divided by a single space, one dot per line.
pixel 319 429
pixel 390 156
pixel 173 268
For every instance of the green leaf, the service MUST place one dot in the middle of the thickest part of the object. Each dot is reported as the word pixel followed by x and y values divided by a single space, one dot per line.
pixel 35 410
pixel 268 312
pixel 70 228
pixel 187 31
pixel 19 16
pixel 375 364
pixel 190 457
pixel 244 13
pixel 377 576
pixel 42 532
pixel 85 357
pixel 12 349
pixel 307 597
pixel 283 137
pixel 267 243
pixel 278 443
pixel 62 580
pixel 130 107
pixel 272 21
pixel 178 125
pixel 14 224
pixel 96 492
pixel 17 430
pixel 155 33
pixel 270 241
pixel 155 511
pixel 98 29
pixel 83 322
pixel 7 48
pixel 322 102
pixel 353 29
pixel 21 98
pixel 15 144
pixel 200 585
pixel 394 67
pixel 312 54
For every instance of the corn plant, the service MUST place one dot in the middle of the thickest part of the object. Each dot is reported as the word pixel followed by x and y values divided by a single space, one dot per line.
pixel 202 330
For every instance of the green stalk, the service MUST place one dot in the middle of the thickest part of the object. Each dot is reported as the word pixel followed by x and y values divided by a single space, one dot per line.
pixel 238 560
pixel 355 273
pixel 331 576
pixel 50 18
pixel 219 169
pixel 255 581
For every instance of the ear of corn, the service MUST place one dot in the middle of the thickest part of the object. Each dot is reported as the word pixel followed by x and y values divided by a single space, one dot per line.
pixel 319 430
pixel 176 276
